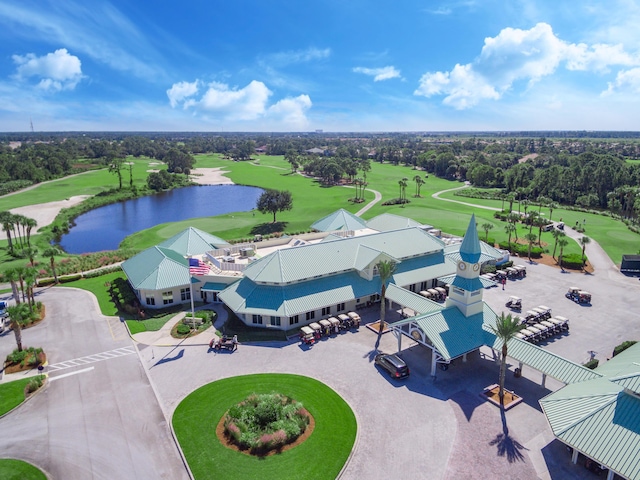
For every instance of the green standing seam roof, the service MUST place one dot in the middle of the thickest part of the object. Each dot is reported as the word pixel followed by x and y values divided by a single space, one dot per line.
pixel 389 221
pixel 193 241
pixel 411 300
pixel 487 252
pixel 601 417
pixel 214 286
pixel 157 268
pixel 486 283
pixel 339 220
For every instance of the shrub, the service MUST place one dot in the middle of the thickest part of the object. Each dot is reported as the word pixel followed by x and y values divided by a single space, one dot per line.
pixel 183 329
pixel 593 363
pixel 623 346
pixel 34 384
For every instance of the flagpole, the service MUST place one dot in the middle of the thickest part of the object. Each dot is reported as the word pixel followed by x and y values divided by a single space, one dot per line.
pixel 193 315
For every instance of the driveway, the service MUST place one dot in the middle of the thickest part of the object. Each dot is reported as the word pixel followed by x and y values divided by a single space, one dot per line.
pixel 98 417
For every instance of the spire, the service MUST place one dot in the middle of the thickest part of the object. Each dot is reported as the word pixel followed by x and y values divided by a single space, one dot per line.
pixel 470 248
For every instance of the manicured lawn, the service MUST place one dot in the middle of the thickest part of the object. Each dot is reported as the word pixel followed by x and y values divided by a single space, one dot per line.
pixel 321 456
pixel 11 469
pixel 97 286
pixel 11 395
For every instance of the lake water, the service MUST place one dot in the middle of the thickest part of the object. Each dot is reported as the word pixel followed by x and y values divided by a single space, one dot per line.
pixel 105 227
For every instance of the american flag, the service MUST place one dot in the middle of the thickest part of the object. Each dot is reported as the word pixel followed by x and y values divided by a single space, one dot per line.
pixel 197 267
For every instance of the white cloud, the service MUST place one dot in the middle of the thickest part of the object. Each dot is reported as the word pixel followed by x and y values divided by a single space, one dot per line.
pixel 379 74
pixel 626 81
pixel 515 55
pixel 239 104
pixel 57 71
pixel 180 91
pixel 291 111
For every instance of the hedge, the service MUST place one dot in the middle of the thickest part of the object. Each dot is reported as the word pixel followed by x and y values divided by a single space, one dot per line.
pixel 623 346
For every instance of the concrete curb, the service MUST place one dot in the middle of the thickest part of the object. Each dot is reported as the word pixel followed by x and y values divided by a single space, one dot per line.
pixel 45 384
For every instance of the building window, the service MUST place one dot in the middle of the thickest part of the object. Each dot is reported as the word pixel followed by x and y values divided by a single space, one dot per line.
pixel 412 288
pixel 311 315
pixel 185 294
pixel 167 297
pixel 423 286
pixel 275 321
pixel 293 320
pixel 326 311
pixel 257 319
pixel 340 307
pixel 151 301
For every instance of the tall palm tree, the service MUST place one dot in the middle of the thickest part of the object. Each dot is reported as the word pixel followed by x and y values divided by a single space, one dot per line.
pixel 531 219
pixel 552 206
pixel 17 313
pixel 6 222
pixel 509 228
pixel 30 275
pixel 29 223
pixel 30 252
pixel 562 242
pixel 386 269
pixel 511 198
pixel 531 237
pixel 419 182
pixel 584 241
pixel 505 329
pixel 486 227
pixel 51 252
pixel 13 277
pixel 557 235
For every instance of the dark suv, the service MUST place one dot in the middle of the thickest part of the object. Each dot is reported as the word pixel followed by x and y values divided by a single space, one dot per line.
pixel 393 364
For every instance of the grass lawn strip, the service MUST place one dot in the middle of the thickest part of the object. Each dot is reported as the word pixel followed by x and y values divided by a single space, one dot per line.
pixel 11 469
pixel 321 456
pixel 12 395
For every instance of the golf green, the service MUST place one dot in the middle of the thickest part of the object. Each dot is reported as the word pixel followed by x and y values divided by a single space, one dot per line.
pixel 321 456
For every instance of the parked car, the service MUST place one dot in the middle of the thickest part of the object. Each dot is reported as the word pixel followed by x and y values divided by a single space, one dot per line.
pixel 393 364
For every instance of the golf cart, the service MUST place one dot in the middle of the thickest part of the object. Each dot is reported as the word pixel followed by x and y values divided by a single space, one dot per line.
pixel 578 296
pixel 514 303
pixel 307 335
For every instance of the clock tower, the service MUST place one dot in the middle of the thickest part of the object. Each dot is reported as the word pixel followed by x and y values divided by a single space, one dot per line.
pixel 465 292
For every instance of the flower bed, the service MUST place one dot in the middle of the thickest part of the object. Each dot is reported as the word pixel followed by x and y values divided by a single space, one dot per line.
pixel 265 423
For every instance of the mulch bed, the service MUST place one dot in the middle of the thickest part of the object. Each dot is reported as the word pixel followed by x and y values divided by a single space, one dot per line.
pixel 17 367
pixel 227 442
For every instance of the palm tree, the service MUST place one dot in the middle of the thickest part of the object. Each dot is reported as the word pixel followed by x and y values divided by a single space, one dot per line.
pixel 584 241
pixel 13 277
pixel 557 234
pixel 562 242
pixel 30 275
pixel 29 223
pixel 419 182
pixel 505 329
pixel 30 252
pixel 531 237
pixel 51 252
pixel 486 227
pixel 386 269
pixel 6 221
pixel 17 313
pixel 552 206
pixel 540 222
pixel 509 228
pixel 511 198
pixel 531 219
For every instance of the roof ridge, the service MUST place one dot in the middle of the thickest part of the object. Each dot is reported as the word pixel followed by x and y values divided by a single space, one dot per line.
pixel 591 412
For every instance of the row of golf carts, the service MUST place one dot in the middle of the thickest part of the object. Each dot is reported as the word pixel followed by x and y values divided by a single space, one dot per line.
pixel 540 325
pixel 309 334
pixel 437 294
pixel 512 273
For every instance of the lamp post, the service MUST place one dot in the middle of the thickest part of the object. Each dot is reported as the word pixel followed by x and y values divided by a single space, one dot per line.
pixel 193 315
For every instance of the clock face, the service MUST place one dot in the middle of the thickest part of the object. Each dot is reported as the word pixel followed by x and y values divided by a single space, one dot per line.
pixel 462 265
pixel 476 267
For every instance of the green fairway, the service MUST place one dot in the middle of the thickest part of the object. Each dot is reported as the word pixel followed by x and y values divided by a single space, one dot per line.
pixel 11 469
pixel 88 183
pixel 321 456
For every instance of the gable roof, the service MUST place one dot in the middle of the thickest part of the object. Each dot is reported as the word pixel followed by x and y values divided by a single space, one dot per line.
pixel 339 220
pixel 331 257
pixel 389 221
pixel 487 252
pixel 157 268
pixel 192 241
pixel 601 417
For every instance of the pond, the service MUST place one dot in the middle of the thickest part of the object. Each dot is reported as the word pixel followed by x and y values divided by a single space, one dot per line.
pixel 105 227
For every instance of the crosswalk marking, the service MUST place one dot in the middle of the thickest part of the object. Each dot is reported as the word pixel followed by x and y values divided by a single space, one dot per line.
pixel 93 358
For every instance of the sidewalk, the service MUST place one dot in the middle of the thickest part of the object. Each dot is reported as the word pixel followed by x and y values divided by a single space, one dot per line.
pixel 163 338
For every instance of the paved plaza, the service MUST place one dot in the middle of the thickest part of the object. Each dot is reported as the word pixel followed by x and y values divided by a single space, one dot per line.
pixel 105 411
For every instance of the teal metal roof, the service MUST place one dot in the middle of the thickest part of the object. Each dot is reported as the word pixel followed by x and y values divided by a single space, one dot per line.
pixel 487 252
pixel 246 296
pixel 411 300
pixel 630 382
pixel 448 279
pixel 416 270
pixel 470 247
pixel 328 258
pixel 388 221
pixel 193 242
pixel 468 284
pixel 601 417
pixel 157 268
pixel 214 286
pixel 339 220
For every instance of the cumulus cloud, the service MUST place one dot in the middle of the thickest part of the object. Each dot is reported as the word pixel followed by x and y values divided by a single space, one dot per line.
pixel 180 91
pixel 517 55
pixel 626 81
pixel 291 111
pixel 379 74
pixel 233 103
pixel 57 71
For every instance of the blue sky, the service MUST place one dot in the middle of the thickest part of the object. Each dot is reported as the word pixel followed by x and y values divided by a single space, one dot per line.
pixel 336 65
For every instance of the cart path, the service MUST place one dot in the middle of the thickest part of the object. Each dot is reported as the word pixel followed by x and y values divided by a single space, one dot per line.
pixel 437 197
